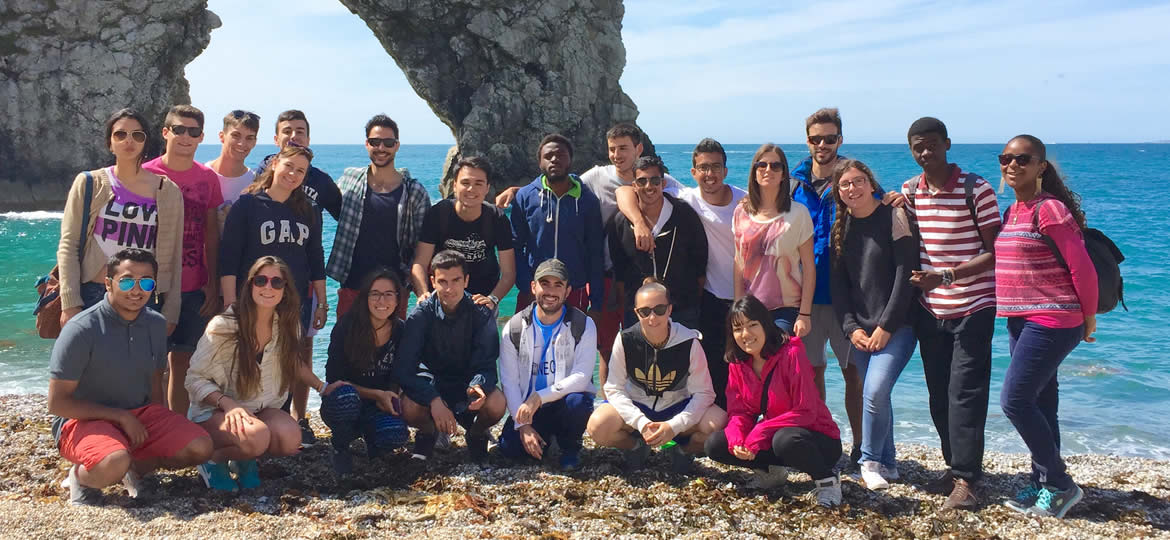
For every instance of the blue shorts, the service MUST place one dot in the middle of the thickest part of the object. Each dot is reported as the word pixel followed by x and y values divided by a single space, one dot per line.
pixel 667 414
pixel 191 324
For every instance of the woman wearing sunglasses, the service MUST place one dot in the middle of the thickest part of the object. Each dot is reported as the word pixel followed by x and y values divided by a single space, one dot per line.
pixel 775 415
pixel 873 253
pixel 362 399
pixel 129 207
pixel 274 217
pixel 1050 308
pixel 240 375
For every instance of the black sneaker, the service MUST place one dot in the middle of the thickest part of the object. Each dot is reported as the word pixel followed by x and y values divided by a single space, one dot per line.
pixel 636 457
pixel 477 447
pixel 680 462
pixel 308 438
pixel 424 446
pixel 342 462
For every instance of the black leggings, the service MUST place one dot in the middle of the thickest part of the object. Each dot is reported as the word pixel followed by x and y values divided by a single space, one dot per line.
pixel 805 450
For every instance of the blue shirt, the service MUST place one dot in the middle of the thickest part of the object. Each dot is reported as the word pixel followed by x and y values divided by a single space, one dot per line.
pixel 546 366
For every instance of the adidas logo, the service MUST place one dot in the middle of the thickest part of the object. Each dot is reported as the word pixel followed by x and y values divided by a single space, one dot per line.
pixel 655 380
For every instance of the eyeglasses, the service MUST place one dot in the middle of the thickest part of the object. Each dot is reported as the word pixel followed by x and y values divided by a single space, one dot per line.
pixel 846 184
pixel 827 139
pixel 378 296
pixel 1022 159
pixel 146 284
pixel 139 136
pixel 388 142
pixel 238 114
pixel 652 180
pixel 263 281
pixel 709 169
pixel 775 165
pixel 180 129
pixel 659 310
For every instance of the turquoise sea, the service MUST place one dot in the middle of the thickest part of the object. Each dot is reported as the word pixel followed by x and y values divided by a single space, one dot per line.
pixel 1115 394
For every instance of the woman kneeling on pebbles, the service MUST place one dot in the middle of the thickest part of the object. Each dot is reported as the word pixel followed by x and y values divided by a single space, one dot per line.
pixel 775 416
pixel 240 376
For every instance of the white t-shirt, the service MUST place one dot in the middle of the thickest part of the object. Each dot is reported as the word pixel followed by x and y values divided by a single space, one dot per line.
pixel 603 181
pixel 231 187
pixel 720 239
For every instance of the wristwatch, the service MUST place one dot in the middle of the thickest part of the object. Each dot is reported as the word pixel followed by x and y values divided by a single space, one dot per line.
pixel 494 299
pixel 948 276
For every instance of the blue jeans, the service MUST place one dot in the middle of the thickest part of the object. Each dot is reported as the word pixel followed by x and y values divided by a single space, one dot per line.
pixel 1030 393
pixel 564 419
pixel 349 417
pixel 880 371
pixel 785 317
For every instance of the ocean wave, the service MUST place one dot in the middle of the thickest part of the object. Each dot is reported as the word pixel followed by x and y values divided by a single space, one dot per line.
pixel 31 216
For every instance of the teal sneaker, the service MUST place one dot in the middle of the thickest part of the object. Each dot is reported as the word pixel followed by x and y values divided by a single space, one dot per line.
pixel 247 473
pixel 1025 498
pixel 217 476
pixel 1056 503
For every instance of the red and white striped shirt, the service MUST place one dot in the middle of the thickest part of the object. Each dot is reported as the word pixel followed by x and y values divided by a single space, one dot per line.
pixel 950 237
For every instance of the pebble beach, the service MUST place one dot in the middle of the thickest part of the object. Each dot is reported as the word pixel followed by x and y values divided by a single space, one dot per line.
pixel 301 497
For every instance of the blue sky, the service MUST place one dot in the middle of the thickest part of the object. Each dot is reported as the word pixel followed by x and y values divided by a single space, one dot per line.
pixel 744 71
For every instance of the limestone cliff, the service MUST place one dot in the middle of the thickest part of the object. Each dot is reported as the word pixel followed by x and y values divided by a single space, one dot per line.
pixel 504 73
pixel 65 65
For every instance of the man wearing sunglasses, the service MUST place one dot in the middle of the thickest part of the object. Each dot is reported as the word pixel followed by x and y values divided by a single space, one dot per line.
pixel 106 389
pixel 679 257
pixel 812 179
pixel 658 388
pixel 183 131
pixel 956 316
pixel 382 214
pixel 238 138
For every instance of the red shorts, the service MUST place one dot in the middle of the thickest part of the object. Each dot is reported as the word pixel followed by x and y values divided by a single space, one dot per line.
pixel 611 321
pixel 88 442
pixel 345 298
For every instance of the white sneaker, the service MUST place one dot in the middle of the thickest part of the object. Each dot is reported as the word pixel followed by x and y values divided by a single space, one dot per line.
pixel 872 476
pixel 890 473
pixel 133 483
pixel 774 477
pixel 828 491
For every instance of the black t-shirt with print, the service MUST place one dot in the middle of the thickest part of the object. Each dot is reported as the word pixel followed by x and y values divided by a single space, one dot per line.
pixel 478 240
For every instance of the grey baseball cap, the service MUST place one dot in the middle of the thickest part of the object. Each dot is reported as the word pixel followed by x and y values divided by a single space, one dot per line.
pixel 552 267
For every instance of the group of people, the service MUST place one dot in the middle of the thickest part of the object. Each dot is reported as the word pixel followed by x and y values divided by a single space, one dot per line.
pixel 709 307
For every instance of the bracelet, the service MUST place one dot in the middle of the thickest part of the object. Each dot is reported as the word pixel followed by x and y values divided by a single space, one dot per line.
pixel 804 314
pixel 323 306
pixel 320 388
pixel 221 396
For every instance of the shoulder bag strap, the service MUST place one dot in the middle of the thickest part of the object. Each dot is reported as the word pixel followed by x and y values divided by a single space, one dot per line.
pixel 764 393
pixel 85 216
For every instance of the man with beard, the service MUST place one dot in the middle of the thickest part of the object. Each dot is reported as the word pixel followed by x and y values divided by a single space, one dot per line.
pixel 382 213
pixel 547 354
pixel 557 217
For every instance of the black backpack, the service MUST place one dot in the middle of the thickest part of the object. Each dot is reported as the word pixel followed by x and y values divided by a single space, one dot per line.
pixel 1106 257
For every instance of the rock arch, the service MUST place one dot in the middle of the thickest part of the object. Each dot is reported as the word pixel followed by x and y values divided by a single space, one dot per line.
pixel 500 73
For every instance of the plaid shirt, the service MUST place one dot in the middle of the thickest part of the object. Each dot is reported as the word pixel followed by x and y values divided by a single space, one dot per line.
pixel 412 207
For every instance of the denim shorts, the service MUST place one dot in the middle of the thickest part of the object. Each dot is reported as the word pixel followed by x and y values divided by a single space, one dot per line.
pixel 191 324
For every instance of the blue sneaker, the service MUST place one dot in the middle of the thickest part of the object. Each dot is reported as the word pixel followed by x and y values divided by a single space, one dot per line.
pixel 1025 498
pixel 247 473
pixel 570 460
pixel 217 476
pixel 1056 503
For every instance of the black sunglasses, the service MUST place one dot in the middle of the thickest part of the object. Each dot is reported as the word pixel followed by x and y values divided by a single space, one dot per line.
pixel 263 281
pixel 180 129
pixel 238 114
pixel 139 136
pixel 775 165
pixel 388 142
pixel 652 180
pixel 1022 159
pixel 659 310
pixel 828 139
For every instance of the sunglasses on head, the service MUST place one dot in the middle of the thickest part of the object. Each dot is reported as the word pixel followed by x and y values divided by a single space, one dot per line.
pixel 239 114
pixel 180 129
pixel 1022 159
pixel 263 281
pixel 827 139
pixel 774 165
pixel 138 135
pixel 652 180
pixel 388 142
pixel 146 284
pixel 659 310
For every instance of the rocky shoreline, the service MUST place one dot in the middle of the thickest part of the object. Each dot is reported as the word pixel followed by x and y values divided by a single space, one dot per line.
pixel 301 498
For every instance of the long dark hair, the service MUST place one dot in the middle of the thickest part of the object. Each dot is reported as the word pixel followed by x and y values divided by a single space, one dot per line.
pixel 755 200
pixel 297 200
pixel 1052 182
pixel 288 333
pixel 841 222
pixel 149 147
pixel 360 339
pixel 749 308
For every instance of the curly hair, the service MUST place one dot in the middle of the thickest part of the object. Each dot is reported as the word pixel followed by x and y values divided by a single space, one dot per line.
pixel 841 222
pixel 1052 182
